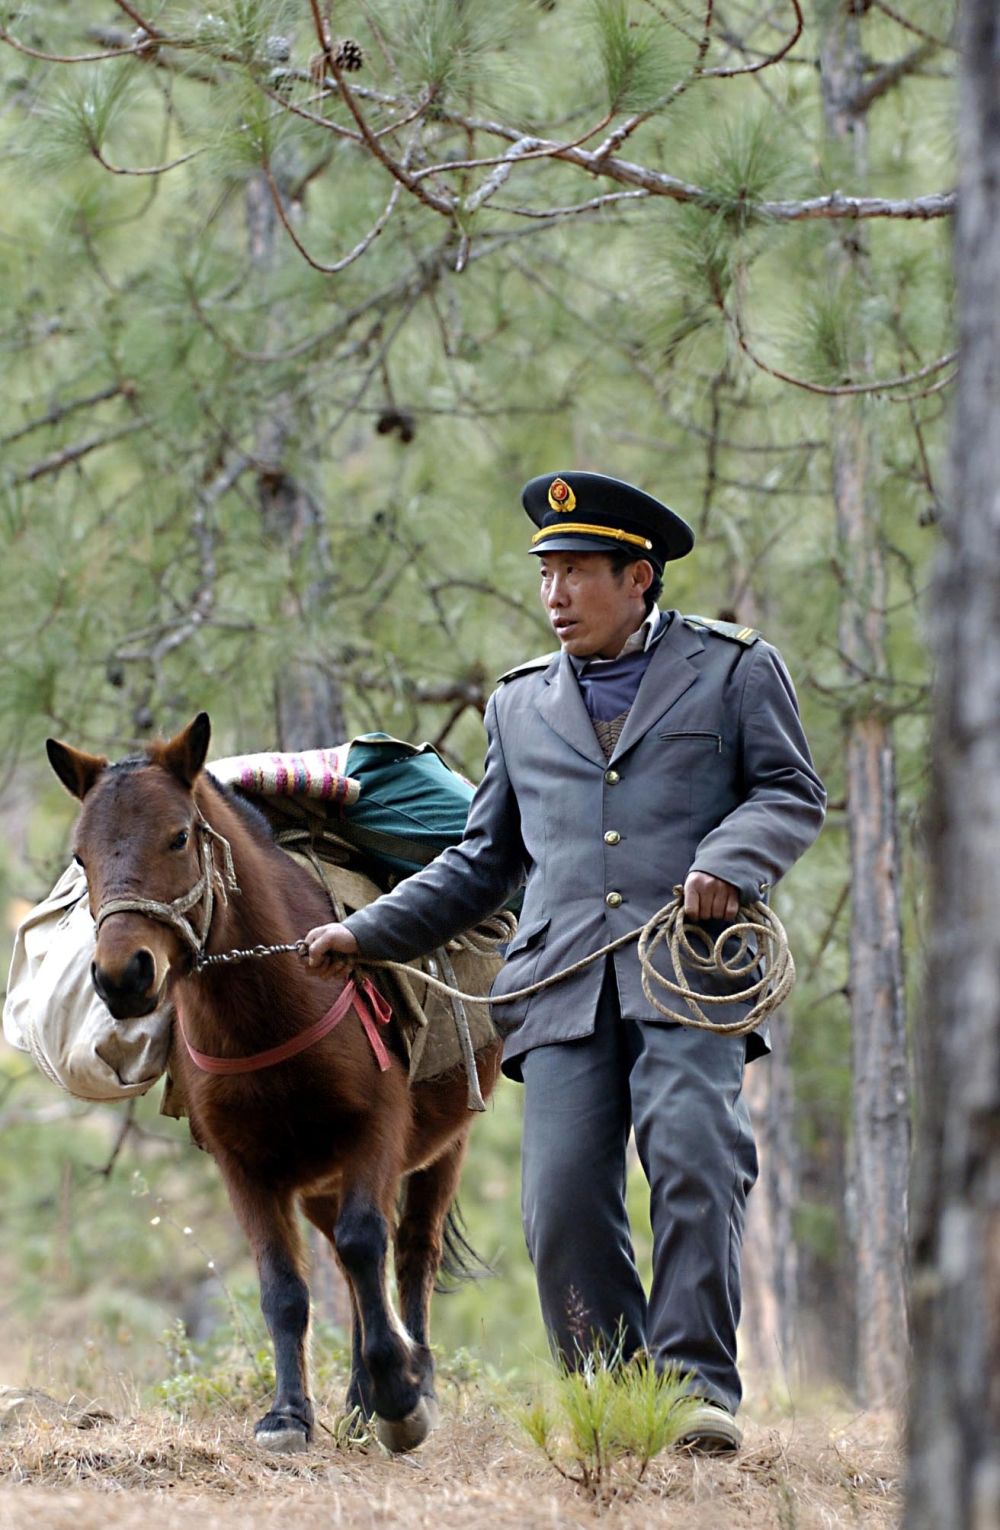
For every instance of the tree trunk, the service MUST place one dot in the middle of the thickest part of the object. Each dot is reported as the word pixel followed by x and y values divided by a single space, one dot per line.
pixel 769 1324
pixel 880 1151
pixel 768 1329
pixel 955 1416
pixel 308 698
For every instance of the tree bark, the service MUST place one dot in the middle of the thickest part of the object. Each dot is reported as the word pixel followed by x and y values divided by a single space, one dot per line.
pixel 955 1414
pixel 308 699
pixel 880 1147
pixel 768 1332
pixel 768 1328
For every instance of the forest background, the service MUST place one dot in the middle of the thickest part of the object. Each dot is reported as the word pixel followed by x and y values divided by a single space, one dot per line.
pixel 292 310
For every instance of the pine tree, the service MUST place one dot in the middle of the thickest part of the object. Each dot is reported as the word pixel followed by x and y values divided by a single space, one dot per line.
pixel 287 333
pixel 955 1398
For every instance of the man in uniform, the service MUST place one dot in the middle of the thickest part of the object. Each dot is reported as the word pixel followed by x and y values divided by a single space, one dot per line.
pixel 654 749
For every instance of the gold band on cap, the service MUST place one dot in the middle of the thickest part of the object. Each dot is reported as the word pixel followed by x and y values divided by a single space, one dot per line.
pixel 594 531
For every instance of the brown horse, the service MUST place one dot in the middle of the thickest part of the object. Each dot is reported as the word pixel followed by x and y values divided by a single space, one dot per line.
pixel 333 1128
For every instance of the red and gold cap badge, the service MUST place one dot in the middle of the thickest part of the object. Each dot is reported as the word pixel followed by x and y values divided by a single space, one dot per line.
pixel 561 496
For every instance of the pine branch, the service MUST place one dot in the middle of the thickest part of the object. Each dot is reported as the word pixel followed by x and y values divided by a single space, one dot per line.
pixel 593 205
pixel 478 587
pixel 630 437
pixel 938 387
pixel 172 164
pixel 470 692
pixel 79 449
pixel 127 1123
pixel 352 255
pixel 887 77
pixel 71 58
pixel 601 162
pixel 911 26
pixel 171 54
pixel 308 116
pixel 439 204
pixel 816 958
pixel 842 390
pixel 146 26
pixel 768 59
pixel 525 148
pixel 835 204
pixel 56 413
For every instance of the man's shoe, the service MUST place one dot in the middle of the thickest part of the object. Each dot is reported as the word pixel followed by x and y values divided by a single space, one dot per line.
pixel 711 1431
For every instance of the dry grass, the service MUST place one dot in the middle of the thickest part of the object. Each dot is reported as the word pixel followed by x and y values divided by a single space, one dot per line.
pixel 61 1468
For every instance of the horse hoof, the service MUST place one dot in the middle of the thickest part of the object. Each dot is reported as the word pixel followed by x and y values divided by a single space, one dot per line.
pixel 402 1434
pixel 286 1440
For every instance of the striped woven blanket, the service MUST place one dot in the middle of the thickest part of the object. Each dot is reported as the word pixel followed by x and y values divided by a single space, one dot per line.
pixel 311 773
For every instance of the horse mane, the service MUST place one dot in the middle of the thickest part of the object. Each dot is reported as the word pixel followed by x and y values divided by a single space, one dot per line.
pixel 254 818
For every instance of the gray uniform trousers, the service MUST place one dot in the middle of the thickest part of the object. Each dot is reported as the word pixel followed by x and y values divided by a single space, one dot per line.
pixel 681 1090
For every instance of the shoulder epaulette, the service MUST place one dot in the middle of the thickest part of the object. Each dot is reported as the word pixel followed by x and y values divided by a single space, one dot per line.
pixel 731 630
pixel 542 662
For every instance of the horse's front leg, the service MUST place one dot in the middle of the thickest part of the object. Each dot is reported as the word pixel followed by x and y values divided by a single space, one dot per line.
pixel 322 1211
pixel 268 1218
pixel 388 1356
pixel 419 1241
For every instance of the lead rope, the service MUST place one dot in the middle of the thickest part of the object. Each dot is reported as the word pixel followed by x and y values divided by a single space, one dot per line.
pixel 668 925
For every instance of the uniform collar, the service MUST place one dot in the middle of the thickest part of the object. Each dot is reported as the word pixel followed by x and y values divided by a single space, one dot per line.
pixel 645 636
pixel 640 641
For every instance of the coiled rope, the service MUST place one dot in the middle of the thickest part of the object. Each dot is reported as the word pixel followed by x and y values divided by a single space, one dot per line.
pixel 668 927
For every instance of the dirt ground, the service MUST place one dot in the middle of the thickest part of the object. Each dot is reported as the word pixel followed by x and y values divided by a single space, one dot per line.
pixel 63 1468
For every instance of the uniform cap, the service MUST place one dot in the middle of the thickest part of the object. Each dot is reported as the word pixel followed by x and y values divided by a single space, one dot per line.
pixel 587 512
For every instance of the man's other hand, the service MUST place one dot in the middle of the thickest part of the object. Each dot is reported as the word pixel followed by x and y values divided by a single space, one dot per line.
pixel 705 897
pixel 330 947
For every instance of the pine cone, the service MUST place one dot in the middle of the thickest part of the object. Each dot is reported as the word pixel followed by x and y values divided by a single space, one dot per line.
pixel 277 49
pixel 349 56
pixel 399 422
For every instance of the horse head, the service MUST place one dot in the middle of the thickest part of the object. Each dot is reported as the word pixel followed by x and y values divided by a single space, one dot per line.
pixel 140 838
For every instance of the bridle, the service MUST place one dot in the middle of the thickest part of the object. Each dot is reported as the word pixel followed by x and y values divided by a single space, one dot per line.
pixel 211 881
pixel 370 1006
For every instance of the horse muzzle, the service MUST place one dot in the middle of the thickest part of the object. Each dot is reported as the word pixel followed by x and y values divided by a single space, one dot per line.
pixel 133 991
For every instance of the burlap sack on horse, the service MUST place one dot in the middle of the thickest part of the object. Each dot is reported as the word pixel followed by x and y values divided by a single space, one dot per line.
pixel 53 1012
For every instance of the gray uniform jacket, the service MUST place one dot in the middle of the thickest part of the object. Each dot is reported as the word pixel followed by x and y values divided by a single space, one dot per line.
pixel 712 772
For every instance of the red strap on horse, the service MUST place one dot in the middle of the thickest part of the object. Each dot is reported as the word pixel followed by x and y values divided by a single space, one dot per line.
pixel 372 1010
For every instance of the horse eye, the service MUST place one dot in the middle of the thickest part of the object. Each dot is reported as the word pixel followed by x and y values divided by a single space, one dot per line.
pixel 79 862
pixel 179 840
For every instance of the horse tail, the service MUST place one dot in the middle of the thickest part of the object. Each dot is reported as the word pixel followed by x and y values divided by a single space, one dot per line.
pixel 459 1260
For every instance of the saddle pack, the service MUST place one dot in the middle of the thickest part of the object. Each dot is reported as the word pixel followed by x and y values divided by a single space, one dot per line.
pixel 359 816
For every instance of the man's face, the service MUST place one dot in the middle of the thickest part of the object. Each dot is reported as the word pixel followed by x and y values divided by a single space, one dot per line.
pixel 591 608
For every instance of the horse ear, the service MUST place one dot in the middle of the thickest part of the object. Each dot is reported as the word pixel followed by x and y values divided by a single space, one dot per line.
pixel 185 754
pixel 77 771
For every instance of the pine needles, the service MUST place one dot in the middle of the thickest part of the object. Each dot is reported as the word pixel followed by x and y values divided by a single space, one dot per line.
pixel 636 58
pixel 600 1426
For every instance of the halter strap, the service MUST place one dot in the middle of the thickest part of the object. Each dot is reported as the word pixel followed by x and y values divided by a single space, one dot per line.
pixel 376 1011
pixel 204 889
